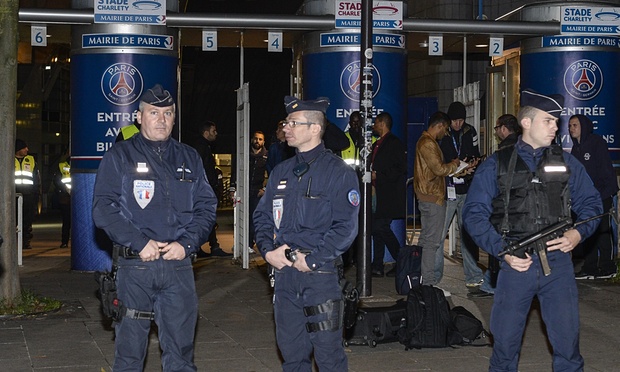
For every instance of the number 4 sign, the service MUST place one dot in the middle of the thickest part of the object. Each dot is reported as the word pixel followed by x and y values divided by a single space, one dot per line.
pixel 496 46
pixel 38 35
pixel 274 42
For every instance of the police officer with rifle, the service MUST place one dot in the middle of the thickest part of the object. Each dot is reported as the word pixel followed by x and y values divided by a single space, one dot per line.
pixel 519 191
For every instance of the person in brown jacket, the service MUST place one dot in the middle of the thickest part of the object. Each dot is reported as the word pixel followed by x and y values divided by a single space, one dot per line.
pixel 429 185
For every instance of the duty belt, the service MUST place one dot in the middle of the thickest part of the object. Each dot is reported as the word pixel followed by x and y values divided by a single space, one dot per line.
pixel 129 253
pixel 126 252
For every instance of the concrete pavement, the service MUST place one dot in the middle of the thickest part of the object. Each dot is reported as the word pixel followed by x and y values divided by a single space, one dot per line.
pixel 236 332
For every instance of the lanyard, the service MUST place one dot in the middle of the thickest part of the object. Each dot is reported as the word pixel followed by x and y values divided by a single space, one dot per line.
pixel 458 148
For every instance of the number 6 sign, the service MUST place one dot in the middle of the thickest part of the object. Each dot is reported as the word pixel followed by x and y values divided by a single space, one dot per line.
pixel 38 35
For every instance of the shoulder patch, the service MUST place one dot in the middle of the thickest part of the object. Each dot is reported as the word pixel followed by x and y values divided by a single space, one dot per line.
pixel 354 197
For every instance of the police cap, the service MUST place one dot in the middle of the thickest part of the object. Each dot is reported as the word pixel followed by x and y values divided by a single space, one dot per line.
pixel 293 104
pixel 551 104
pixel 157 96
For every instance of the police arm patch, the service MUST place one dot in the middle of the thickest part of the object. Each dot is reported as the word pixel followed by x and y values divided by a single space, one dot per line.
pixel 354 197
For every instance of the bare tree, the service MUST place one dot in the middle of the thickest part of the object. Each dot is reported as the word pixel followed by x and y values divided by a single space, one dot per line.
pixel 9 275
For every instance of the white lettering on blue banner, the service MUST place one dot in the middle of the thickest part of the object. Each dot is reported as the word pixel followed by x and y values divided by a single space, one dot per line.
pixel 353 39
pixel 127 41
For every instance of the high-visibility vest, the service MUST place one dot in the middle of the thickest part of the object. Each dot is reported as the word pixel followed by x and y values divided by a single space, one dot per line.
pixel 351 154
pixel 24 170
pixel 129 131
pixel 65 174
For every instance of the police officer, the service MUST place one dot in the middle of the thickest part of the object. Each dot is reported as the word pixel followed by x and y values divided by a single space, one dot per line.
pixel 517 192
pixel 27 182
pixel 305 221
pixel 152 199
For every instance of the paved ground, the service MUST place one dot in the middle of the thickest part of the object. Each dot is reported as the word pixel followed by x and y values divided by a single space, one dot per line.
pixel 236 331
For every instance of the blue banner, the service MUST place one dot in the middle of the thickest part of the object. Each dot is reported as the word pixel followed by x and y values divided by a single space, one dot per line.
pixel 348 39
pixel 105 92
pixel 588 80
pixel 579 41
pixel 337 75
pixel 164 42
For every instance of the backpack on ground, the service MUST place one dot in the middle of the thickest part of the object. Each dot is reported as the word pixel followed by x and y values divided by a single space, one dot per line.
pixel 428 323
pixel 408 268
pixel 467 326
pixel 376 325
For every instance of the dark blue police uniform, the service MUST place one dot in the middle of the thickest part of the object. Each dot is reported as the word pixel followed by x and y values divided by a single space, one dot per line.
pixel 155 190
pixel 315 211
pixel 557 293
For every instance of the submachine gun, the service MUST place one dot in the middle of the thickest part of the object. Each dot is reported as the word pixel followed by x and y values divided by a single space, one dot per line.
pixel 536 243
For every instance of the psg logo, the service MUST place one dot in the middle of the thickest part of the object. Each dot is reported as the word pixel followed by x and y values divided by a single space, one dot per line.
pixel 351 81
pixel 583 79
pixel 121 84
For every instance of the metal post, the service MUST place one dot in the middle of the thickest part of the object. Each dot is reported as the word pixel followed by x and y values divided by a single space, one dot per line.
pixel 20 227
pixel 464 61
pixel 364 282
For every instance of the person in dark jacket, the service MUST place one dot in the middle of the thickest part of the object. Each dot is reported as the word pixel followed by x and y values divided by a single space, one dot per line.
pixel 204 146
pixel 389 176
pixel 462 143
pixel 258 158
pixel 152 199
pixel 592 151
pixel 507 129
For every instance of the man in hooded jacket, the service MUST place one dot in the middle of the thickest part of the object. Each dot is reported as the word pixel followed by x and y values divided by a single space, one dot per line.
pixel 591 150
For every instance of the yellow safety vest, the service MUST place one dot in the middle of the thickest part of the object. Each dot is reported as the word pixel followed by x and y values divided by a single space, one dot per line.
pixel 350 155
pixel 24 170
pixel 129 131
pixel 65 174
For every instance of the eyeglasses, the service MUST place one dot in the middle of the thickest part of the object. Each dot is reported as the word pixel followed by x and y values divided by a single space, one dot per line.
pixel 497 127
pixel 293 123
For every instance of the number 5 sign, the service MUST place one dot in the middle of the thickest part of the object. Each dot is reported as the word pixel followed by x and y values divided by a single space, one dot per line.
pixel 496 46
pixel 38 35
pixel 209 41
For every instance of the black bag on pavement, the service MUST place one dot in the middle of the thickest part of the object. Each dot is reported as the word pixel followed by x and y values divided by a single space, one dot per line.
pixel 408 268
pixel 376 325
pixel 467 325
pixel 428 322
